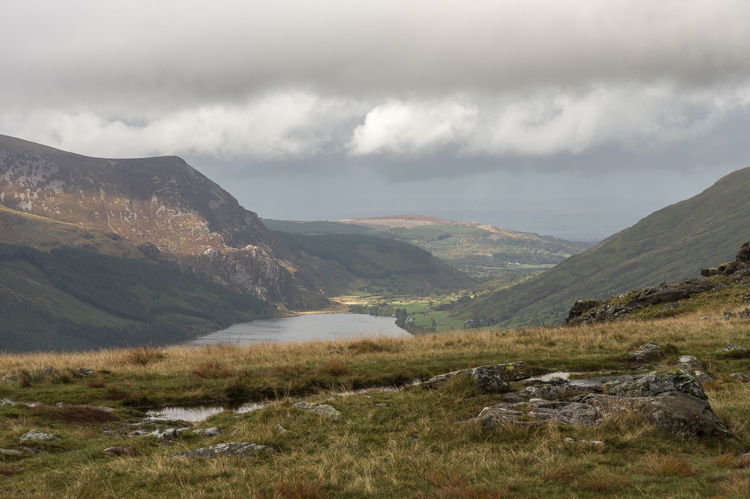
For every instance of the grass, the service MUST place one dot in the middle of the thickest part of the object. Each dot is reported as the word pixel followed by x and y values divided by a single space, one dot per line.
pixel 408 443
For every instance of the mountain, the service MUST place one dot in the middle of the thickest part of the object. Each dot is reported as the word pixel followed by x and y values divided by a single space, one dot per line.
pixel 667 245
pixel 351 263
pixel 164 207
pixel 482 251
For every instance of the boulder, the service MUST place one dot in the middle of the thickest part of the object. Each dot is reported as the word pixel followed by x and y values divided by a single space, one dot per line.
pixel 38 436
pixel 168 434
pixel 690 362
pixel 673 400
pixel 734 351
pixel 322 409
pixel 229 449
pixel 647 351
pixel 214 431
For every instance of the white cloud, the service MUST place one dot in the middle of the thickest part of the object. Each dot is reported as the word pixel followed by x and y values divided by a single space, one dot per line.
pixel 279 125
pixel 413 127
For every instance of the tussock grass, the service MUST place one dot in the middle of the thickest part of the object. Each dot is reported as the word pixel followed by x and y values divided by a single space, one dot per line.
pixel 409 443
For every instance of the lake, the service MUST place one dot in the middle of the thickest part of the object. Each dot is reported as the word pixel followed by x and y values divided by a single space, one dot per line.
pixel 310 327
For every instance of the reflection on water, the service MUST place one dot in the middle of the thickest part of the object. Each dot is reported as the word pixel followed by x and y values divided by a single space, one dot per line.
pixel 312 327
pixel 196 414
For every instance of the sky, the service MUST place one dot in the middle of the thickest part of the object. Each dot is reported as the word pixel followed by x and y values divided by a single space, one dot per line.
pixel 570 118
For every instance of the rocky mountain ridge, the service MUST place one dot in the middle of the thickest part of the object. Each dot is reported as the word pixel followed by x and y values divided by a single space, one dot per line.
pixel 164 206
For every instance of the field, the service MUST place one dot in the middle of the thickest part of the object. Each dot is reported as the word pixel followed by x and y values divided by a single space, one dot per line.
pixel 407 443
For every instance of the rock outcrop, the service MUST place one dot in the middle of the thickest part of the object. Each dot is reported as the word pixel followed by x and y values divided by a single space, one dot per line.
pixel 673 400
pixel 229 449
pixel 489 379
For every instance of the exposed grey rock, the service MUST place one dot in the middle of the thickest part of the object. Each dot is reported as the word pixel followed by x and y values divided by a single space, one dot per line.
pixel 229 449
pixel 673 411
pixel 674 380
pixel 673 400
pixel 702 377
pixel 733 350
pixel 10 452
pixel 280 429
pixel 168 434
pixel 647 351
pixel 85 371
pixel 322 409
pixel 744 378
pixel 488 378
pixel 38 436
pixel 691 362
pixel 381 404
pixel 5 401
pixel 214 431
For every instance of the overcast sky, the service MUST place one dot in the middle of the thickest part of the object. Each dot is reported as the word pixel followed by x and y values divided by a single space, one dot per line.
pixel 572 118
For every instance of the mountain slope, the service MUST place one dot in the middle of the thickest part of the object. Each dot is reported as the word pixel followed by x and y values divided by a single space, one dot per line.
pixel 352 263
pixel 162 202
pixel 482 251
pixel 71 299
pixel 668 245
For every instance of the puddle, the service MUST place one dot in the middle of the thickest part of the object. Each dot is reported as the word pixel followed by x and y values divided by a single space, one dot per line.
pixel 200 413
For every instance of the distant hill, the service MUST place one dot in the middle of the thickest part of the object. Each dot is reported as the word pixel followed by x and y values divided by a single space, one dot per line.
pixel 482 251
pixel 668 245
pixel 349 263
pixel 162 205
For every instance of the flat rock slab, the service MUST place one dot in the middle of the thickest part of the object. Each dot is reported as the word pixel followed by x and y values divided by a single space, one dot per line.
pixel 672 400
pixel 229 449
pixel 38 436
pixel 322 409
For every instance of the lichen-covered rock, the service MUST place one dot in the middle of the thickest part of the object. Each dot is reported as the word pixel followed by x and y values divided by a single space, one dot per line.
pixel 690 362
pixel 673 400
pixel 488 380
pixel 38 436
pixel 229 449
pixel 168 434
pixel 322 409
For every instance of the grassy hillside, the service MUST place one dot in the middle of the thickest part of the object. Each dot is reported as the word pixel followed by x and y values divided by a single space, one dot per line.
pixel 354 263
pixel 386 443
pixel 668 245
pixel 482 251
pixel 75 299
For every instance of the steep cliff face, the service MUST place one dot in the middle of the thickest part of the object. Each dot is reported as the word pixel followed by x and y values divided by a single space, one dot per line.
pixel 161 202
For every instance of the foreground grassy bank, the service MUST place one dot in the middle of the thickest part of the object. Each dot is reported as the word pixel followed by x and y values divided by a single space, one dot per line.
pixel 407 443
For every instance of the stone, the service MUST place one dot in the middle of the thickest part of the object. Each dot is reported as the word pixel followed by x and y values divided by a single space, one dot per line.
pixel 322 409
pixel 229 449
pixel 280 429
pixel 647 351
pixel 744 378
pixel 691 362
pixel 489 380
pixel 168 434
pixel 85 371
pixel 38 436
pixel 5 401
pixel 734 351
pixel 702 377
pixel 673 400
pixel 673 411
pixel 214 431
pixel 10 452
pixel 381 404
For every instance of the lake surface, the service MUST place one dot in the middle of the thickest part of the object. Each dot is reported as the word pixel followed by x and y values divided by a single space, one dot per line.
pixel 311 327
